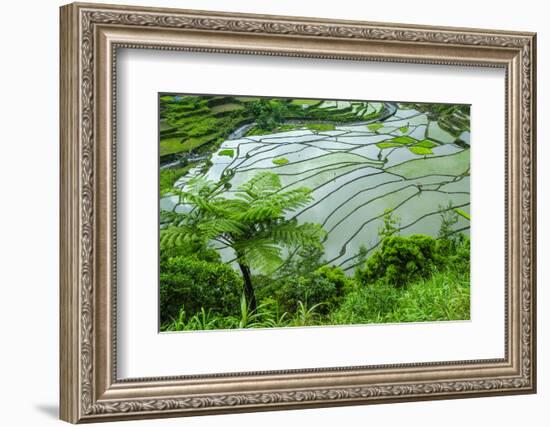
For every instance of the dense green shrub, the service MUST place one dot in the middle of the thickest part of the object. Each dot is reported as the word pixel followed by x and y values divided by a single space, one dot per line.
pixel 325 286
pixel 214 101
pixel 194 284
pixel 196 250
pixel 292 290
pixel 268 113
pixel 400 260
pixel 443 296
pixel 342 283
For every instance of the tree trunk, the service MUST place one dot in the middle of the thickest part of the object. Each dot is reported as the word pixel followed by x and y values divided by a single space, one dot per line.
pixel 248 289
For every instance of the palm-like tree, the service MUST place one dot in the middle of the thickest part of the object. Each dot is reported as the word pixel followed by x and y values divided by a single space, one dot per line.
pixel 252 222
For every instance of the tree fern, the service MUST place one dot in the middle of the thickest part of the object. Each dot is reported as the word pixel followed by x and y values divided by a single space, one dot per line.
pixel 178 236
pixel 262 184
pixel 260 254
pixel 292 234
pixel 252 221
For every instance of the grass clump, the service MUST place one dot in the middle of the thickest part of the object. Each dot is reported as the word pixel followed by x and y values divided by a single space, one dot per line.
pixel 444 295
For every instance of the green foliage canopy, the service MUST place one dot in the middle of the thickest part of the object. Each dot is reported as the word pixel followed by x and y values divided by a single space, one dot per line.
pixel 400 260
pixel 253 222
pixel 193 283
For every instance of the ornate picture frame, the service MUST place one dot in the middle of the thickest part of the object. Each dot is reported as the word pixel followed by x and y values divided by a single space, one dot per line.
pixel 90 37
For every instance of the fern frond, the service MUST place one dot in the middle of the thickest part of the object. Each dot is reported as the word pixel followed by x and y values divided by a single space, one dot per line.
pixel 169 217
pixel 291 200
pixel 259 253
pixel 216 226
pixel 231 206
pixel 292 234
pixel 260 212
pixel 199 184
pixel 259 185
pixel 177 236
pixel 252 221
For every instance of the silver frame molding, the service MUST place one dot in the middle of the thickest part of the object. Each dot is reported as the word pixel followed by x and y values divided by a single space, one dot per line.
pixel 90 37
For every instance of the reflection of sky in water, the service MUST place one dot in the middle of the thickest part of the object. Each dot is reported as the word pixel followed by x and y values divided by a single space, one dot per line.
pixel 346 172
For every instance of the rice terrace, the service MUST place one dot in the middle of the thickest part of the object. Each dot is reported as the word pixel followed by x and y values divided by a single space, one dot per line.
pixel 278 212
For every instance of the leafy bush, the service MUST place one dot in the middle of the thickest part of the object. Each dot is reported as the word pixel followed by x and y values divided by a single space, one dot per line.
pixel 195 284
pixel 292 290
pixel 268 113
pixel 194 249
pixel 400 260
pixel 336 275
pixel 324 286
pixel 443 296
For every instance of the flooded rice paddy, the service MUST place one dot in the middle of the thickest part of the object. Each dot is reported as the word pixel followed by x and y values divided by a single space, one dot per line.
pixel 405 163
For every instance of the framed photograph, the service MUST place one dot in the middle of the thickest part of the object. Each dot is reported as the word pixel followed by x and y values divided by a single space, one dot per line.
pixel 267 212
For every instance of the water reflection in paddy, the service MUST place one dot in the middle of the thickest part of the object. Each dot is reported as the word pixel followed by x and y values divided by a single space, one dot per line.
pixel 354 181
